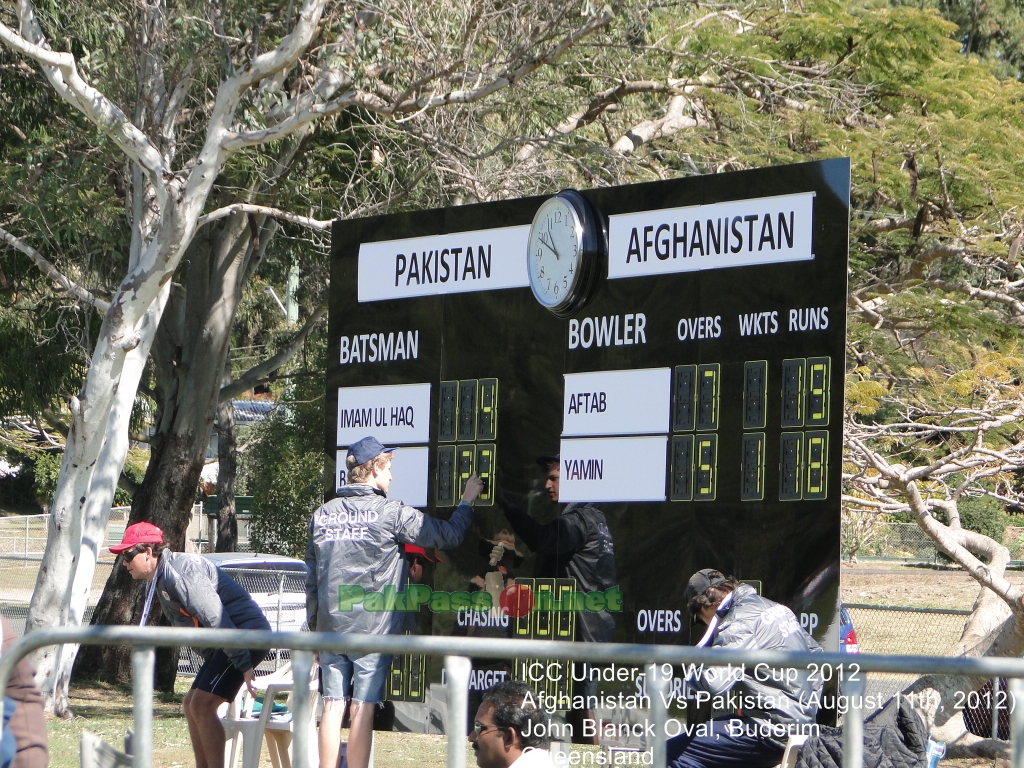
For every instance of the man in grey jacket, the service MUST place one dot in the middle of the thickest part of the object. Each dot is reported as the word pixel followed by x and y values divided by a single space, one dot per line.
pixel 193 592
pixel 768 705
pixel 356 560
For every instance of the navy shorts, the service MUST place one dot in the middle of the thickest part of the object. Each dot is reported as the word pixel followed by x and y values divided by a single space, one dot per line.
pixel 726 742
pixel 222 678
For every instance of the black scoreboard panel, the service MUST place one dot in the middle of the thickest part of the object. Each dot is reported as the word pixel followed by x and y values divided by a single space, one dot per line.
pixel 753 360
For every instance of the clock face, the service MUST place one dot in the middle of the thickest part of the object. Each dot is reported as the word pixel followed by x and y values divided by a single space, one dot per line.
pixel 555 252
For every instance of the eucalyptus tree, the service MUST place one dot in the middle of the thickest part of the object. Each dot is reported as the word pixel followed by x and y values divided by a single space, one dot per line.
pixel 199 100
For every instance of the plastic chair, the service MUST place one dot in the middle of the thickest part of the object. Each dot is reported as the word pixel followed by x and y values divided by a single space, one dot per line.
pixel 241 731
pixel 793 744
pixel 240 724
pixel 278 728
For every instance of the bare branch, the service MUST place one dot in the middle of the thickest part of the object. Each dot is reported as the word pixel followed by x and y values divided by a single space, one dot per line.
pixel 234 141
pixel 53 273
pixel 1015 304
pixel 260 372
pixel 671 122
pixel 887 224
pixel 263 210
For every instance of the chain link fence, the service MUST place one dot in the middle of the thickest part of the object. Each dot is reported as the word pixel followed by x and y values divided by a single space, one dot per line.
pixel 908 541
pixel 900 630
pixel 282 597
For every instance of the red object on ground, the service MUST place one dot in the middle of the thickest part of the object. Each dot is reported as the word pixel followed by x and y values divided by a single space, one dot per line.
pixel 516 600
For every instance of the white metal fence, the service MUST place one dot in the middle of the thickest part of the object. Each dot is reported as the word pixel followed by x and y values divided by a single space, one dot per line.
pixel 458 652
pixel 23 540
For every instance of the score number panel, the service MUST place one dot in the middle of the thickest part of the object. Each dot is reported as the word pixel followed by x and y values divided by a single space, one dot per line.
pixel 805 402
pixel 468 417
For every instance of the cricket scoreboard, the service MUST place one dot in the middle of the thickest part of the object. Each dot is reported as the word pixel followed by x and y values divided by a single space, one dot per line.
pixel 679 345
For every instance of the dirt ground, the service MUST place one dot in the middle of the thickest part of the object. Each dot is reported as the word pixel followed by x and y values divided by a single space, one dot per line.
pixel 920 587
pixel 912 585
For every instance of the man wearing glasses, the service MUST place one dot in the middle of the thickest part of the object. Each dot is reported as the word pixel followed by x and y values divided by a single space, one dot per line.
pixel 193 592
pixel 510 730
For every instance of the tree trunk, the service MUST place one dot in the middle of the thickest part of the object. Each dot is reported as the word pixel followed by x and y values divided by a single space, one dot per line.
pixel 97 445
pixel 189 358
pixel 992 630
pixel 227 460
pixel 56 677
pixel 164 499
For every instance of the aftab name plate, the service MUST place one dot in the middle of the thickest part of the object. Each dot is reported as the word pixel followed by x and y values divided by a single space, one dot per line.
pixel 632 402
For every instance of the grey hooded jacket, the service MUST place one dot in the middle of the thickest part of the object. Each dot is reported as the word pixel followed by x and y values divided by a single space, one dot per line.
pixel 193 592
pixel 778 696
pixel 356 540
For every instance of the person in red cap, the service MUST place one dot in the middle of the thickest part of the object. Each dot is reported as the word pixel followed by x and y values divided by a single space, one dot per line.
pixel 193 592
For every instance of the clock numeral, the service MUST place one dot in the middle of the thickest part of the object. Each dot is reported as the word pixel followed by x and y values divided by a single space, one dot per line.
pixel 565 282
pixel 556 289
pixel 541 272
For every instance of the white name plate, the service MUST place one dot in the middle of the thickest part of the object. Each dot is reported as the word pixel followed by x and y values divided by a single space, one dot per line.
pixel 764 230
pixel 409 473
pixel 613 469
pixel 628 402
pixel 394 414
pixel 461 262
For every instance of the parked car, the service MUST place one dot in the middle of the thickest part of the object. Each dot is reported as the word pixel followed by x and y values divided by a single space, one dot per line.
pixel 847 634
pixel 276 583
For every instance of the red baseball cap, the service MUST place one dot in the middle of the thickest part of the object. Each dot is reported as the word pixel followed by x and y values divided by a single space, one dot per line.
pixel 139 533
pixel 432 556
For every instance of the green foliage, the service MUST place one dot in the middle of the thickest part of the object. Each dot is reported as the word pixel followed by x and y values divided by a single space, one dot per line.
pixel 283 469
pixel 41 365
pixel 984 515
pixel 17 491
pixel 287 485
pixel 921 96
pixel 45 468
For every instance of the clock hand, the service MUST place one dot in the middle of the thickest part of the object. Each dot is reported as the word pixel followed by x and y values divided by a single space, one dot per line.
pixel 552 246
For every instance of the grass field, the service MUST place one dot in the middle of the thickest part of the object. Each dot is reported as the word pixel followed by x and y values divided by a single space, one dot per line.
pixel 107 712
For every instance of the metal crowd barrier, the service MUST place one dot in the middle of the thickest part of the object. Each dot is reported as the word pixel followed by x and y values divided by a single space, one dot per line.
pixel 457 650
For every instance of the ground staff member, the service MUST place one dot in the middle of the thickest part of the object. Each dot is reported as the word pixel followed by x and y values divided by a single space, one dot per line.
pixel 356 548
pixel 193 592
pixel 770 706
